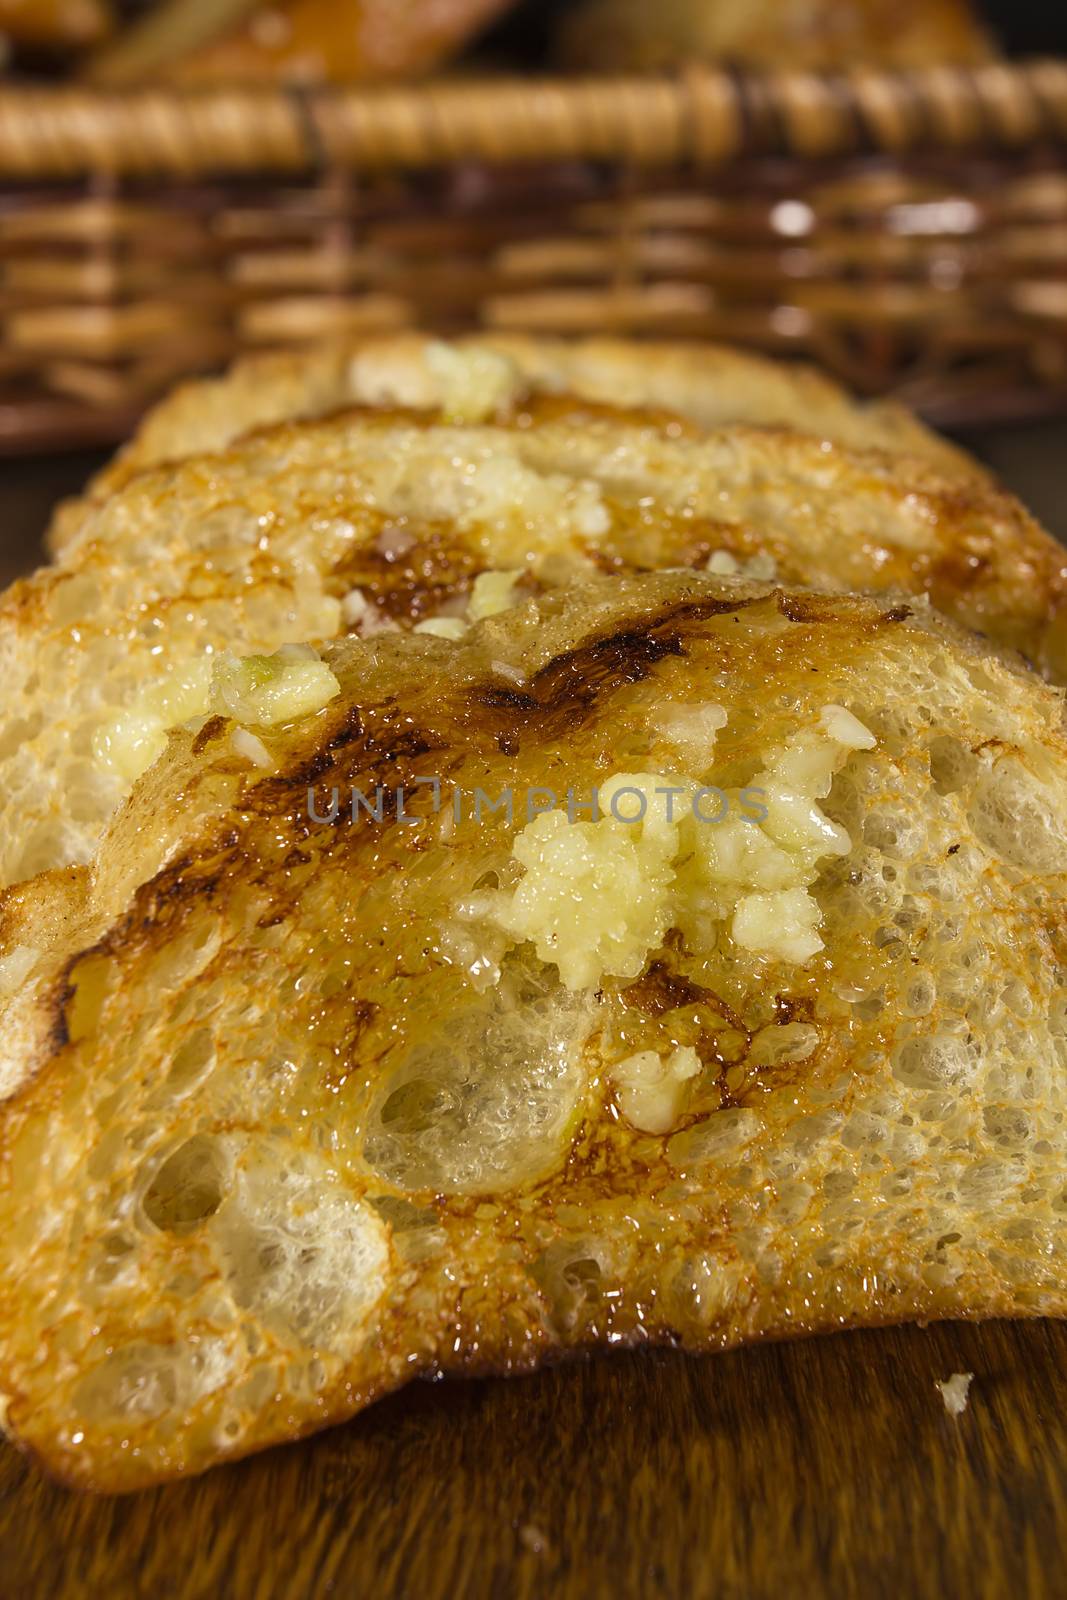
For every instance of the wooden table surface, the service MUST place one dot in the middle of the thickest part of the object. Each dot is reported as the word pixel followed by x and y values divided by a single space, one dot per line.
pixel 827 1467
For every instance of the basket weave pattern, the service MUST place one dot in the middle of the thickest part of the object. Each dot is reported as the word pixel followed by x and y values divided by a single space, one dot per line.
pixel 908 230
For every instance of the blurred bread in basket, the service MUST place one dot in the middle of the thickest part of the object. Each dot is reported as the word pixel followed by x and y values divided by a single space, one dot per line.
pixel 627 35
pixel 48 25
pixel 297 40
pixel 353 41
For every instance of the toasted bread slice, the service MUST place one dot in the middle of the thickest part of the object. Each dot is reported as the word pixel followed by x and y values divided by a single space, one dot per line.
pixel 55 24
pixel 300 1106
pixel 260 545
pixel 710 385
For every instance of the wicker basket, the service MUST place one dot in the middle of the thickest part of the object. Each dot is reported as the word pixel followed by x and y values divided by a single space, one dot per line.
pixel 906 230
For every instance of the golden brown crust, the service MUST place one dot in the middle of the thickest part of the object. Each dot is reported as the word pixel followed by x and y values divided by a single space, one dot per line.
pixel 277 1148
pixel 711 385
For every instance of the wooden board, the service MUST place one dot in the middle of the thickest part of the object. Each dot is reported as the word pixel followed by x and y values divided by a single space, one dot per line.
pixel 827 1467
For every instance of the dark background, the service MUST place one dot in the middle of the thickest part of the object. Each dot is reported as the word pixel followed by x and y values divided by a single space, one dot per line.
pixel 1028 27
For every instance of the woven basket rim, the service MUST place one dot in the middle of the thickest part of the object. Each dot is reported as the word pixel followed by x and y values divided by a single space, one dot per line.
pixel 700 115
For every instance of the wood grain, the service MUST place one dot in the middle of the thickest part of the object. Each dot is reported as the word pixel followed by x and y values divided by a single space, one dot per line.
pixel 828 1467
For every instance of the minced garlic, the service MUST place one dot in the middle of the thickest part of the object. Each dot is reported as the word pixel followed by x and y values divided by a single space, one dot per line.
pixel 473 382
pixel 264 690
pixel 954 1392
pixel 252 748
pixel 651 1088
pixel 493 592
pixel 259 689
pixel 691 730
pixel 442 627
pixel 130 742
pixel 721 564
pixel 354 607
pixel 761 567
pixel 782 923
pixel 597 897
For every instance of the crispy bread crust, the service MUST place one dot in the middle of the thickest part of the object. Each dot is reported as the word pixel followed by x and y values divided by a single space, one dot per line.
pixel 711 385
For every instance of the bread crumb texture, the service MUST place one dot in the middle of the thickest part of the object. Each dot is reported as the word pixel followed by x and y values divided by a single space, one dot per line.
pixel 955 1392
